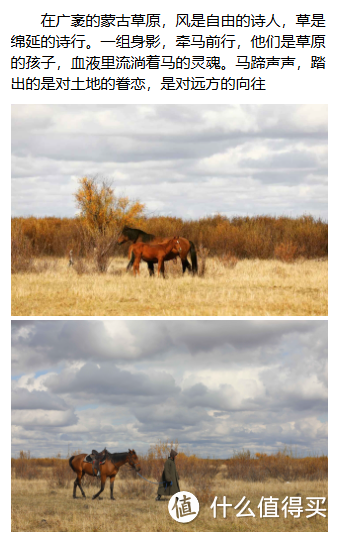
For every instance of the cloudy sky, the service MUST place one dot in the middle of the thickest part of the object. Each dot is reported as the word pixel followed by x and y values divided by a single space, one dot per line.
pixel 186 161
pixel 215 386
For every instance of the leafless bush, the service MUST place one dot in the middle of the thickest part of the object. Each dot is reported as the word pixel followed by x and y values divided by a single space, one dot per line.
pixel 24 468
pixel 97 247
pixel 228 260
pixel 21 249
pixel 103 250
pixel 62 476
pixel 44 265
pixel 245 237
pixel 174 267
pixel 282 465
pixel 286 252
pixel 203 480
pixel 80 266
pixel 203 254
pixel 137 488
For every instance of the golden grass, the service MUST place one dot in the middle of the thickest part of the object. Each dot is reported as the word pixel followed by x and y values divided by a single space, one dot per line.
pixel 38 506
pixel 254 287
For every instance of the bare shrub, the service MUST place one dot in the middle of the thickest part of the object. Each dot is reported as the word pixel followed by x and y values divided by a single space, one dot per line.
pixel 80 266
pixel 282 465
pixel 43 265
pixel 203 480
pixel 203 254
pixel 21 249
pixel 137 488
pixel 103 251
pixel 244 466
pixel 245 237
pixel 24 468
pixel 62 475
pixel 97 247
pixel 286 252
pixel 174 267
pixel 228 260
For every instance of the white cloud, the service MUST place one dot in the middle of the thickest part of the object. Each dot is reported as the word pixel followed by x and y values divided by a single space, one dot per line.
pixel 161 146
pixel 216 386
pixel 42 418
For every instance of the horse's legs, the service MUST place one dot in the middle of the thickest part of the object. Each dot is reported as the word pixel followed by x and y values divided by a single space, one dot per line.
pixel 130 264
pixel 74 489
pixel 112 479
pixel 150 268
pixel 185 265
pixel 103 482
pixel 159 266
pixel 136 267
pixel 79 484
pixel 160 269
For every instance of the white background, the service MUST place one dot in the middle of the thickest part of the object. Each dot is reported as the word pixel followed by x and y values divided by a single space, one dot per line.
pixel 311 87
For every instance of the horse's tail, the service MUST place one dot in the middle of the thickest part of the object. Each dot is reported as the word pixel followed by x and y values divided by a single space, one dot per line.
pixel 129 252
pixel 193 257
pixel 131 257
pixel 70 463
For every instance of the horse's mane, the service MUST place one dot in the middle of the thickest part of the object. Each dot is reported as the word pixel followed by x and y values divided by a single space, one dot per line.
pixel 146 237
pixel 117 456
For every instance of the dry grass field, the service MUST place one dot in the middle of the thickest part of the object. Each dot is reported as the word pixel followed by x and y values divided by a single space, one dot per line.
pixel 41 506
pixel 251 288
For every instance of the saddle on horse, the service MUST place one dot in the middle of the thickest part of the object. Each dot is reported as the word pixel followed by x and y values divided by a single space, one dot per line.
pixel 98 459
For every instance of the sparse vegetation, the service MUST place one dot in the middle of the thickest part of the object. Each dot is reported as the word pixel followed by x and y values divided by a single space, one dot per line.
pixel 21 249
pixel 289 279
pixel 254 287
pixel 45 502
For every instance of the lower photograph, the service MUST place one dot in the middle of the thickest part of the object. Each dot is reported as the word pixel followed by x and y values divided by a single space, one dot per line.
pixel 169 425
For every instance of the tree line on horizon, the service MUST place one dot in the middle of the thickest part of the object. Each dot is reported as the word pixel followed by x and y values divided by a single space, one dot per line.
pixel 102 216
pixel 243 465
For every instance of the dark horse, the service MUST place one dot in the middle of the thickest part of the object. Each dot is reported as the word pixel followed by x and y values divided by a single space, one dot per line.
pixel 154 253
pixel 134 235
pixel 108 469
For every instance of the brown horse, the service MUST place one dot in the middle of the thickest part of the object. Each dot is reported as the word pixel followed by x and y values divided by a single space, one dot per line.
pixel 108 469
pixel 134 235
pixel 154 253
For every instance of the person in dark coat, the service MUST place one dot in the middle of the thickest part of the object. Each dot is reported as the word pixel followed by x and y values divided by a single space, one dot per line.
pixel 169 481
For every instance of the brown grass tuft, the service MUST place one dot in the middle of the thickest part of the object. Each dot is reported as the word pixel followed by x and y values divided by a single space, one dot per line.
pixel 286 252
pixel 80 266
pixel 228 260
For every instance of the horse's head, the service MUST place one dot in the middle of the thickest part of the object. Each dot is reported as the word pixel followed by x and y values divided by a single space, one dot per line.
pixel 122 239
pixel 176 245
pixel 133 460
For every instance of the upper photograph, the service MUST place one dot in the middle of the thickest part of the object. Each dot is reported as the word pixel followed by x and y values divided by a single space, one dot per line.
pixel 169 210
